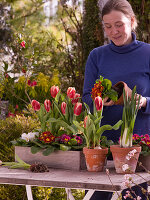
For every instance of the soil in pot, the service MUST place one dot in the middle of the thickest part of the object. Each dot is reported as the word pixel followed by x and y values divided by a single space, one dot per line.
pixel 95 159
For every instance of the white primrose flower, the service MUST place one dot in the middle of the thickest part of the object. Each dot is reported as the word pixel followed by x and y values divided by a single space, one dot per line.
pixel 24 136
pixel 31 135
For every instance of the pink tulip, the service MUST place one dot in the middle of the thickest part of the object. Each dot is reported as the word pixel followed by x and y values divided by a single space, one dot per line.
pixel 75 99
pixel 85 121
pixel 47 105
pixel 98 103
pixel 35 105
pixel 54 91
pixel 77 109
pixel 22 44
pixel 63 108
pixel 71 92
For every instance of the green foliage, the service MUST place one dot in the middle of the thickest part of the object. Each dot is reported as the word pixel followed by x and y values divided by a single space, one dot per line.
pixel 11 129
pixel 92 27
pixel 130 111
pixel 142 11
pixel 92 131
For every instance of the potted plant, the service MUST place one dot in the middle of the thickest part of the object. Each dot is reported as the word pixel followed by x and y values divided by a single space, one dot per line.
pixel 95 154
pixel 56 132
pixel 144 158
pixel 120 152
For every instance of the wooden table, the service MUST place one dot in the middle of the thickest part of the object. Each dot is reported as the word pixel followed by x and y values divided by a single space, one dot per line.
pixel 68 179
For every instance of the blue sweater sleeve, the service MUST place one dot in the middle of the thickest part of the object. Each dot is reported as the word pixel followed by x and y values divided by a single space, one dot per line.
pixel 147 109
pixel 91 74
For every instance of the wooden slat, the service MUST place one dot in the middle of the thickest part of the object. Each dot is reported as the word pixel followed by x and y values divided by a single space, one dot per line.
pixel 69 179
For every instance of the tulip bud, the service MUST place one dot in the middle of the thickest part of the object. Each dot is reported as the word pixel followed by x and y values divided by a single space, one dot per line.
pixel 47 105
pixel 71 92
pixel 35 105
pixel 63 108
pixel 22 44
pixel 77 109
pixel 98 103
pixel 54 90
pixel 85 121
pixel 75 99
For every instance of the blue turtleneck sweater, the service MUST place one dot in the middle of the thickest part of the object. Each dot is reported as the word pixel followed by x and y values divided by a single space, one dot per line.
pixel 129 63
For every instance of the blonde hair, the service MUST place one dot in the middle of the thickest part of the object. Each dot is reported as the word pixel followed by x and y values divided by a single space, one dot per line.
pixel 122 6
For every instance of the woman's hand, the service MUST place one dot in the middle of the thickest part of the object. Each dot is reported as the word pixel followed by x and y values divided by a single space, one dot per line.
pixel 109 103
pixel 143 101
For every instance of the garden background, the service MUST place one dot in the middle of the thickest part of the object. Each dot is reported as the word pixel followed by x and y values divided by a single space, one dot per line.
pixel 58 37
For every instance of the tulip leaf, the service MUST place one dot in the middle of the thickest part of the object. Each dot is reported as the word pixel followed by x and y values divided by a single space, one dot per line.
pixel 78 126
pixel 117 125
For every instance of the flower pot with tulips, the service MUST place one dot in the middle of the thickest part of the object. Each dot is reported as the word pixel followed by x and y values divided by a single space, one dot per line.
pixel 122 153
pixel 94 153
pixel 57 138
pixel 57 130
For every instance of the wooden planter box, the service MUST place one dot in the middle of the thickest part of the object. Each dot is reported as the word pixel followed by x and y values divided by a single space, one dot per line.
pixel 73 160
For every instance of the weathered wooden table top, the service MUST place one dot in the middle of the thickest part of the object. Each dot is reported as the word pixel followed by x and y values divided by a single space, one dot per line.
pixel 69 179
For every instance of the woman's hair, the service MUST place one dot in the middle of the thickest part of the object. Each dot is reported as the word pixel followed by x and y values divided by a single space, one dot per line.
pixel 122 6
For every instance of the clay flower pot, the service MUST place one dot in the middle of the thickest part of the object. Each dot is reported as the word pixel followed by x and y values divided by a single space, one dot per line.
pixel 95 159
pixel 145 160
pixel 119 89
pixel 119 157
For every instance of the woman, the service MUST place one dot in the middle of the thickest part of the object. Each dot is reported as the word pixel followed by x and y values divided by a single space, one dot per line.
pixel 124 59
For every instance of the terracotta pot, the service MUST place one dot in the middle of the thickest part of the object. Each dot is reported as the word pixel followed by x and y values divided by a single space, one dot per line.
pixel 119 156
pixel 119 88
pixel 95 159
pixel 145 160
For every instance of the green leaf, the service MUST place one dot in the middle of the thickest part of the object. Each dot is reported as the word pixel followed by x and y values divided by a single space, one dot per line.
pixel 78 126
pixel 72 142
pixel 48 151
pixel 35 150
pixel 64 147
pixel 117 125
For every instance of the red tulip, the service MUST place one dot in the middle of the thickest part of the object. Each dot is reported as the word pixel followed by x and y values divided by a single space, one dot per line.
pixel 35 105
pixel 71 92
pixel 22 44
pixel 47 105
pixel 23 70
pixel 34 83
pixel 54 90
pixel 98 103
pixel 63 108
pixel 75 99
pixel 77 108
pixel 16 106
pixel 85 121
pixel 10 114
pixel 29 82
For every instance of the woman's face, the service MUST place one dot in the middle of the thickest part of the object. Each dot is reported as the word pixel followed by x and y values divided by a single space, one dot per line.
pixel 118 27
